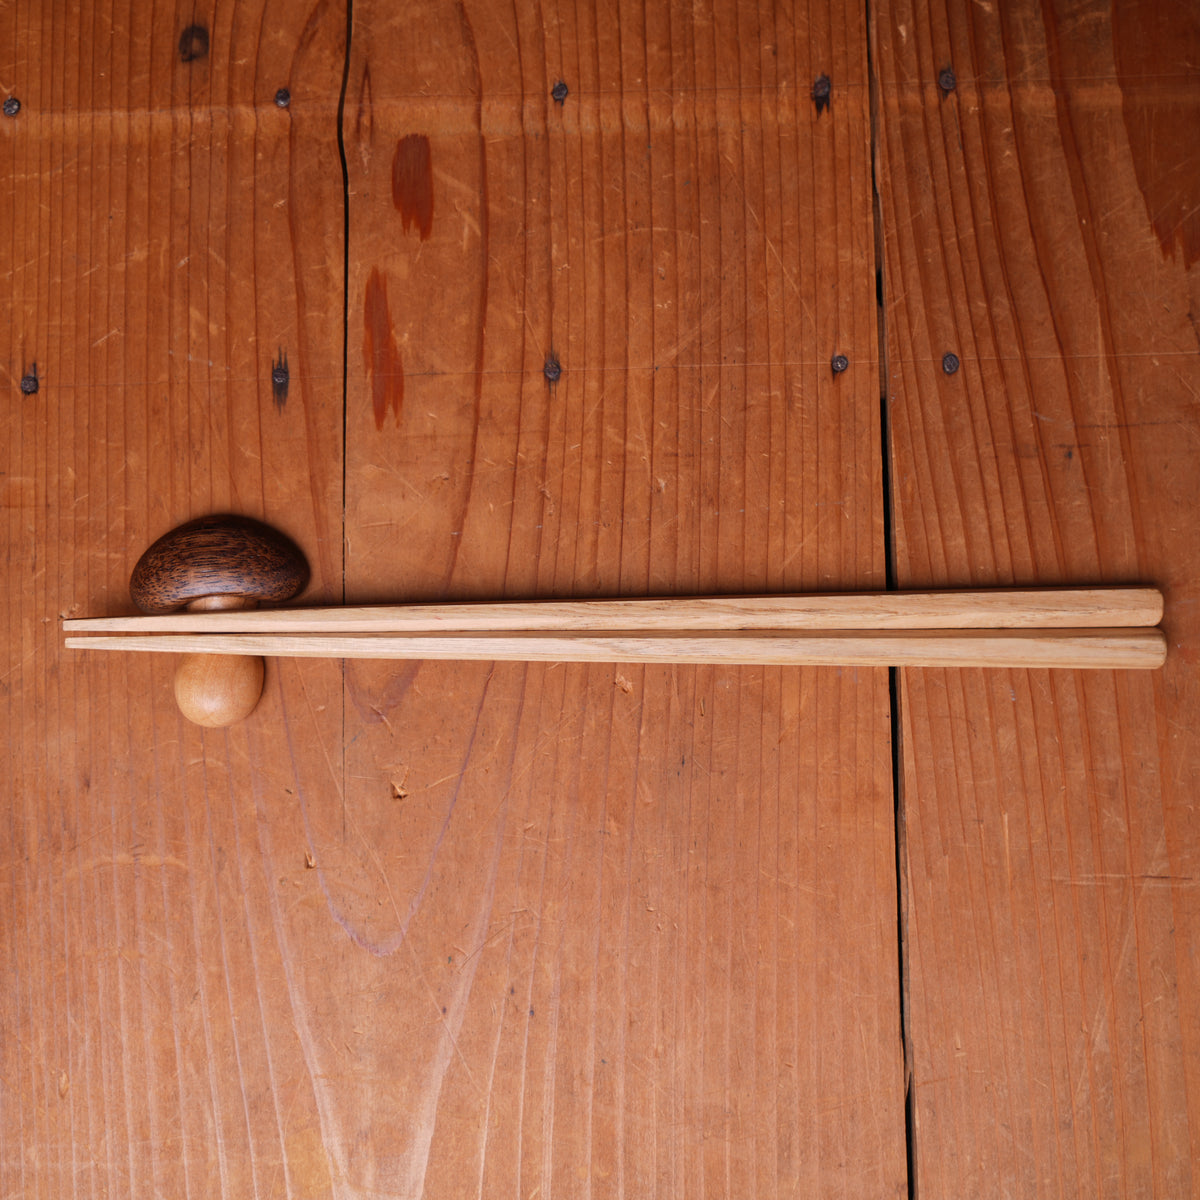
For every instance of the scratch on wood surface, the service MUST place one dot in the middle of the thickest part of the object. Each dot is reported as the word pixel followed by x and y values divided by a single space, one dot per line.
pixel 125 858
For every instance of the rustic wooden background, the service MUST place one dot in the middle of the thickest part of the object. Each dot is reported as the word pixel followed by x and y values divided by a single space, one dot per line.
pixel 535 931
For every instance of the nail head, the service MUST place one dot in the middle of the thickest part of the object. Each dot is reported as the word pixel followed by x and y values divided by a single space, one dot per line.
pixel 193 43
pixel 821 89
pixel 950 363
pixel 946 80
pixel 279 379
pixel 553 369
pixel 283 98
pixel 29 383
pixel 12 106
pixel 839 363
pixel 559 92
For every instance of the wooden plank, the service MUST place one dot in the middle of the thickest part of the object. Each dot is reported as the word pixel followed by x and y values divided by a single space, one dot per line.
pixel 597 930
pixel 167 235
pixel 1033 228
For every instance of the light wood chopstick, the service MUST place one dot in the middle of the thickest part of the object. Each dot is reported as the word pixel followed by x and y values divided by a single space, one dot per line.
pixel 1017 608
pixel 1130 648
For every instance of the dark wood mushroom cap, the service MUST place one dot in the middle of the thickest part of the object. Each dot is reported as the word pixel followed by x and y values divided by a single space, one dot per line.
pixel 217 556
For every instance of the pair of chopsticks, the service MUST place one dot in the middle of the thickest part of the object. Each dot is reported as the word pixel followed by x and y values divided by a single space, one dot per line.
pixel 1050 627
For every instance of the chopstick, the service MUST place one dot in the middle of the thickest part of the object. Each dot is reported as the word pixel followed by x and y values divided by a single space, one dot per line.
pixel 1017 608
pixel 1040 627
pixel 1128 648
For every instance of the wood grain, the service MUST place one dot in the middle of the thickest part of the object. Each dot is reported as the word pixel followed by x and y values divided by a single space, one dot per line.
pixel 168 235
pixel 1051 848
pixel 591 924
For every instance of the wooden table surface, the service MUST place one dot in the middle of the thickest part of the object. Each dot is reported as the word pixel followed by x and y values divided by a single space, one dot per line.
pixel 563 930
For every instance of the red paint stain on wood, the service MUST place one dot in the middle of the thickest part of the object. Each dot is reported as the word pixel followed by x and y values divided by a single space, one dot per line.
pixel 385 372
pixel 412 183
